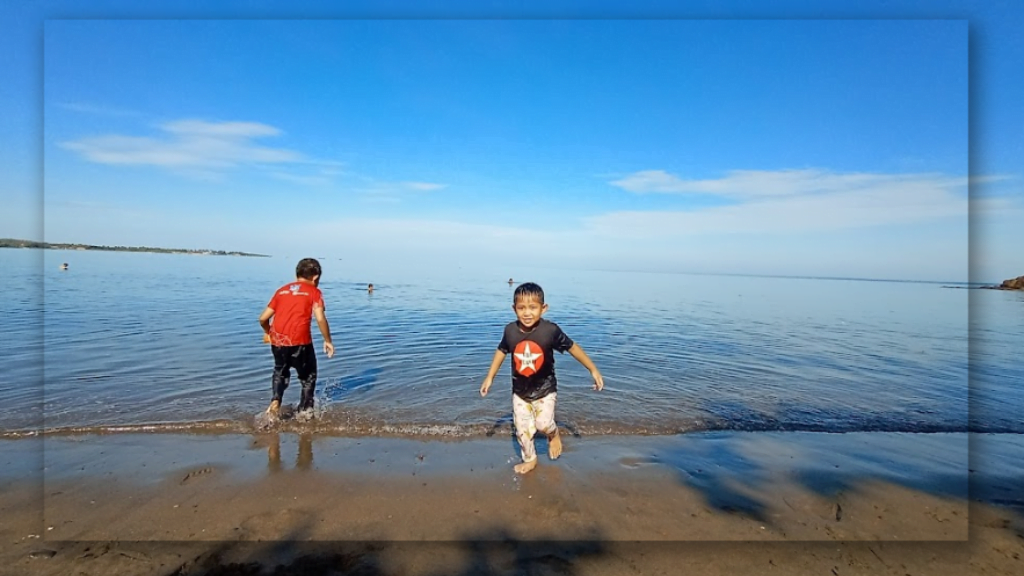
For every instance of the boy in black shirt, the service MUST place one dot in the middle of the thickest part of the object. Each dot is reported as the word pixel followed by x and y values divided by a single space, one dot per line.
pixel 532 342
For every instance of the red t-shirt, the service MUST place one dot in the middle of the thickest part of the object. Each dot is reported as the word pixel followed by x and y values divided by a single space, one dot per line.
pixel 293 306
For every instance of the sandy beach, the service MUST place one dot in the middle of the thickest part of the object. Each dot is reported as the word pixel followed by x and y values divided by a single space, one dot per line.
pixel 294 503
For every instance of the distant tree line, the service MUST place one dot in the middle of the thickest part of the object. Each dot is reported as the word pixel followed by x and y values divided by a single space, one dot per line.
pixel 16 243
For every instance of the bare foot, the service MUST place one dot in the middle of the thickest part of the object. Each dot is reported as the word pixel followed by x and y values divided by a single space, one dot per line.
pixel 555 446
pixel 525 466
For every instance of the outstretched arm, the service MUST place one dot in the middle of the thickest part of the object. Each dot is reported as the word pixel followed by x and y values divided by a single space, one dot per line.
pixel 499 357
pixel 325 329
pixel 577 352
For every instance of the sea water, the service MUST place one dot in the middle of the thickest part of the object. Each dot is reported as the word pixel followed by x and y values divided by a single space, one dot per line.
pixel 170 342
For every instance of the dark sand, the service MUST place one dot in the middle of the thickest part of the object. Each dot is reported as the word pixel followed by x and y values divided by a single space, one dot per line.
pixel 793 503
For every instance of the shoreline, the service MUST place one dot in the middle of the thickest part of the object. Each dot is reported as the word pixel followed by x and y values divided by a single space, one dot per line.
pixel 462 432
pixel 986 467
pixel 716 503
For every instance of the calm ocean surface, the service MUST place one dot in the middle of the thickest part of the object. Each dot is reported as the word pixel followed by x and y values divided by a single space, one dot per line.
pixel 137 341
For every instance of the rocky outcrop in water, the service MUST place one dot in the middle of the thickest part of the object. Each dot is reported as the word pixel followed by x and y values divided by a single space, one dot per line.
pixel 1011 284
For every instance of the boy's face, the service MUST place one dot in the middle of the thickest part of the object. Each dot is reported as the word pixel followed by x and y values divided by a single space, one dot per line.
pixel 529 310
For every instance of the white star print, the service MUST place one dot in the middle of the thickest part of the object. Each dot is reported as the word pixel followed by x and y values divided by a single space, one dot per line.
pixel 526 359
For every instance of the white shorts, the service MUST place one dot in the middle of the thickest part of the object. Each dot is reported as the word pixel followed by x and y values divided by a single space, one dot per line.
pixel 531 416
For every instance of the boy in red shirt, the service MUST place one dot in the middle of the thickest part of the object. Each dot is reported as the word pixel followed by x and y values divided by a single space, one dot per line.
pixel 290 337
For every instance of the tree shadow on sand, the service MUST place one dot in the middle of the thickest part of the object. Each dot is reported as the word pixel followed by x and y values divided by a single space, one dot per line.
pixel 732 474
pixel 719 473
pixel 497 552
pixel 292 555
pixel 487 553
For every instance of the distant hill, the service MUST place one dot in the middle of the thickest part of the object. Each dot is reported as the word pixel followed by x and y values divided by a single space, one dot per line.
pixel 16 243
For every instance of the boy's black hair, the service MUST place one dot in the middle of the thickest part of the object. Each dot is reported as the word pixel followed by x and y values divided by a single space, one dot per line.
pixel 528 290
pixel 307 268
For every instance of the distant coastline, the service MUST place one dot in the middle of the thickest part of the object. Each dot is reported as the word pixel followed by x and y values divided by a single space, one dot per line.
pixel 1011 284
pixel 16 243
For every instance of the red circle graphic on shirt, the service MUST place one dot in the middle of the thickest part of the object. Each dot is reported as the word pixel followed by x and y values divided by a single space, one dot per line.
pixel 528 357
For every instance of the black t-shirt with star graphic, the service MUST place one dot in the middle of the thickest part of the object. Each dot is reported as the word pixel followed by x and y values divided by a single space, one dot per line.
pixel 533 358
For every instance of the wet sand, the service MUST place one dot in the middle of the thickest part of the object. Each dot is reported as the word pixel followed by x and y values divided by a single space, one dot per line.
pixel 167 504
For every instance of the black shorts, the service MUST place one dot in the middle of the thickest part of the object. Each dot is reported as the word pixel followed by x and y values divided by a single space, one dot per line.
pixel 303 359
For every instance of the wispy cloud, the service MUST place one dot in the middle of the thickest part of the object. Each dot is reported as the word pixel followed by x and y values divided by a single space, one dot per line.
pixel 209 150
pixel 789 201
pixel 98 110
pixel 1006 206
pixel 303 179
pixel 424 186
pixel 373 187
pixel 763 184
pixel 188 145
pixel 991 178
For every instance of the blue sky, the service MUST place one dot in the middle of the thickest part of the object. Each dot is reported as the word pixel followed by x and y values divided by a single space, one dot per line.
pixel 857 146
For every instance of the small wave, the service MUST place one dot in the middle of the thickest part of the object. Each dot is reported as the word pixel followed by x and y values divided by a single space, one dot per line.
pixel 328 426
pixel 212 427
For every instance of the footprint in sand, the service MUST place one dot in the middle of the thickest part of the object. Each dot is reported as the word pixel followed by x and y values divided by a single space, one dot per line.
pixel 196 473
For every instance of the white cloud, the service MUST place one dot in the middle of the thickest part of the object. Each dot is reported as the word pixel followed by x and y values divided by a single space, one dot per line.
pixel 759 184
pixel 198 128
pixel 207 150
pixel 371 188
pixel 997 206
pixel 188 145
pixel 303 179
pixel 425 186
pixel 789 201
pixel 989 179
pixel 652 181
